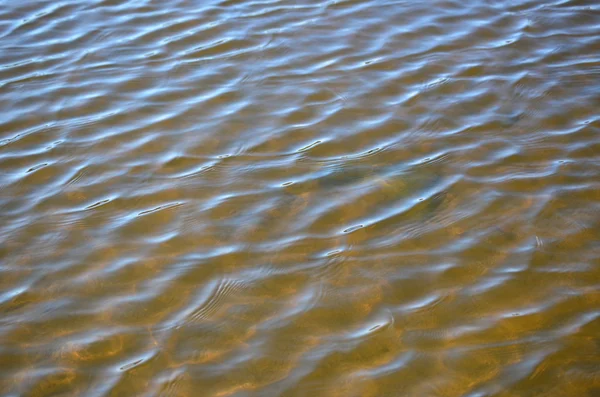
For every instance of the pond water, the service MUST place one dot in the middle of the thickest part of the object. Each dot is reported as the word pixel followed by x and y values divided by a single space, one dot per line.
pixel 300 198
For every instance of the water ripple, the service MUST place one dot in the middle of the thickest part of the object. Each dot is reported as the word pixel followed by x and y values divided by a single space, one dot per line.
pixel 284 198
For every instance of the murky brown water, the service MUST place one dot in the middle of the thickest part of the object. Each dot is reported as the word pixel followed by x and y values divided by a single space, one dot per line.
pixel 300 198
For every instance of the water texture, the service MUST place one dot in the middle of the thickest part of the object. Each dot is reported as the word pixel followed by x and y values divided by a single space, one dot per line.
pixel 299 198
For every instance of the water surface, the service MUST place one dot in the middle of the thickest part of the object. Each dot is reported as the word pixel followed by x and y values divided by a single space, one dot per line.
pixel 299 198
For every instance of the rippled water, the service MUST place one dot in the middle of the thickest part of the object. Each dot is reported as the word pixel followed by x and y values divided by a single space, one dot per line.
pixel 300 198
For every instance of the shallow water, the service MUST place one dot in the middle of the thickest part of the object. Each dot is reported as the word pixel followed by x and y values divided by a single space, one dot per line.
pixel 300 198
